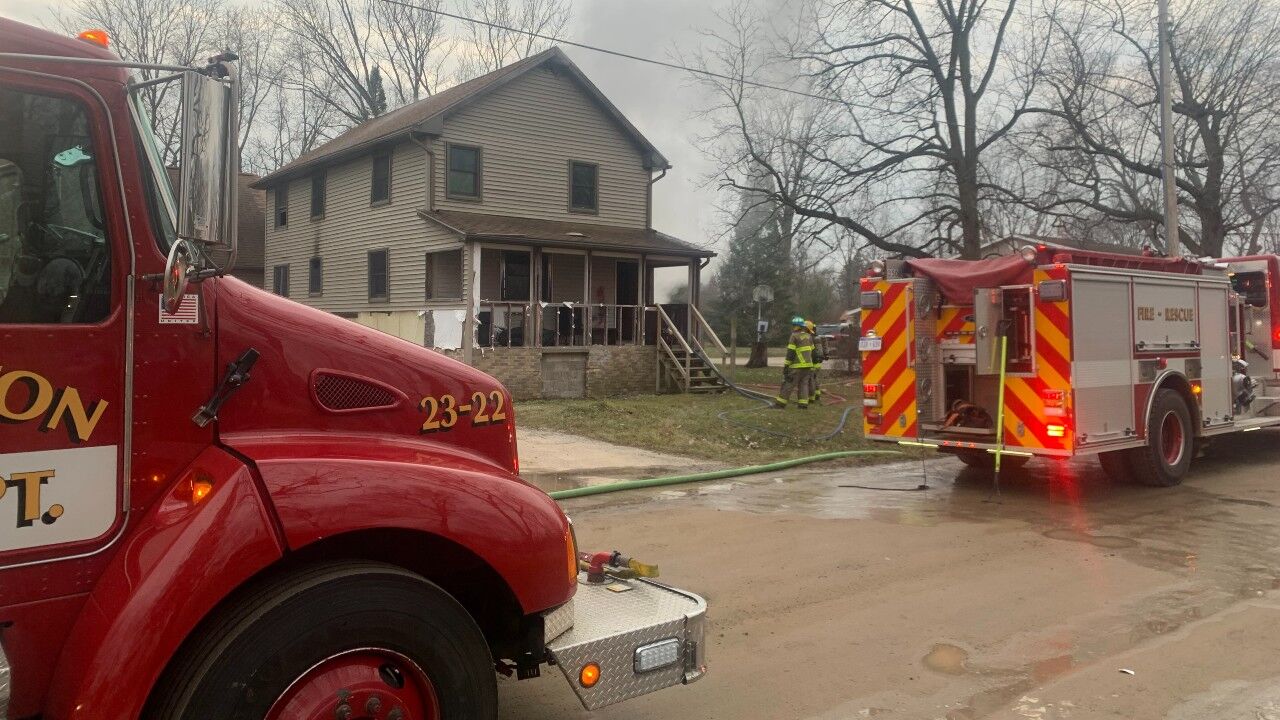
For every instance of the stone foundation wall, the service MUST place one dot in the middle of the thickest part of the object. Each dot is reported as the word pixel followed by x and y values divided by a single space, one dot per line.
pixel 595 371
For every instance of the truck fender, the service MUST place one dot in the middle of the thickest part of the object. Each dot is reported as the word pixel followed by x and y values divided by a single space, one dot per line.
pixel 1173 380
pixel 180 560
pixel 331 485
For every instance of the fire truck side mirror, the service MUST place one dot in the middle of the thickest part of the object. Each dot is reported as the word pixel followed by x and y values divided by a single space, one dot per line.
pixel 210 166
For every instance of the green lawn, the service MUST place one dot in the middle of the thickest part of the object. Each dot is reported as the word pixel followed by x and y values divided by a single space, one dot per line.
pixel 692 424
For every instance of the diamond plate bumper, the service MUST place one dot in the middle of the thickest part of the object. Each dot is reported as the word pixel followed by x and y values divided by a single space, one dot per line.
pixel 610 622
pixel 4 684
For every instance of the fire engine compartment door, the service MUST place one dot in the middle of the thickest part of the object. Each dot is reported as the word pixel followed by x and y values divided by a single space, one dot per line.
pixel 1164 315
pixel 988 311
pixel 1102 350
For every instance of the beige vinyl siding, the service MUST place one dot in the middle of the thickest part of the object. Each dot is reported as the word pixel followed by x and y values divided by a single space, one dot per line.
pixel 528 131
pixel 604 278
pixel 351 228
pixel 567 277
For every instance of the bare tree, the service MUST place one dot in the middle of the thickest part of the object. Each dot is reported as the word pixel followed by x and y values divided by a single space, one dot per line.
pixel 159 32
pixel 412 42
pixel 918 95
pixel 337 62
pixel 1103 140
pixel 294 118
pixel 488 48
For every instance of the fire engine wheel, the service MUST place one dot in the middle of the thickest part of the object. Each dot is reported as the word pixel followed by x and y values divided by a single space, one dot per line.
pixel 1116 465
pixel 356 640
pixel 1165 459
pixel 984 460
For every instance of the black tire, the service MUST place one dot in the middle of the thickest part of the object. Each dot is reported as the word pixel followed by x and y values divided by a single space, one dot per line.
pixel 238 665
pixel 984 460
pixel 1116 464
pixel 1166 458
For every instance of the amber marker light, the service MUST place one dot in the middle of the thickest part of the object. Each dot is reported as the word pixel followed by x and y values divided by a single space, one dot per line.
pixel 589 675
pixel 95 36
pixel 200 490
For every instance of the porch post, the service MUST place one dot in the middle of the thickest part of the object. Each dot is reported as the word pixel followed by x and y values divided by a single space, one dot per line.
pixel 472 293
pixel 641 301
pixel 535 295
pixel 691 329
pixel 586 298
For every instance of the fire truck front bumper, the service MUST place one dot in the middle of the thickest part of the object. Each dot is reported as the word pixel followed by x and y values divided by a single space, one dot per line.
pixel 627 638
pixel 4 684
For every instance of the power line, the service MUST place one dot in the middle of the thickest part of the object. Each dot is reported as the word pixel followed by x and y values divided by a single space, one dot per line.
pixel 616 53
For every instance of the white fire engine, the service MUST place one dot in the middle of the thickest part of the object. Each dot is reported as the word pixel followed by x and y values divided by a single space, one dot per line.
pixel 1136 359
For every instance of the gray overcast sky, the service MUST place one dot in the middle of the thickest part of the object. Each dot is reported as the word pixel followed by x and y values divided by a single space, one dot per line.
pixel 657 100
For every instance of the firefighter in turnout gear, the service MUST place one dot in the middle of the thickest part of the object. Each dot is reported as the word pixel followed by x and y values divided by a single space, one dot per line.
pixel 820 353
pixel 797 369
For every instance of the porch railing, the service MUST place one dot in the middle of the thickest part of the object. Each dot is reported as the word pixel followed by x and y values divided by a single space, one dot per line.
pixel 564 324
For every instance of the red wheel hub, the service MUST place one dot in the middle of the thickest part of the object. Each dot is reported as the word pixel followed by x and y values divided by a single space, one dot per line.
pixel 1171 438
pixel 363 684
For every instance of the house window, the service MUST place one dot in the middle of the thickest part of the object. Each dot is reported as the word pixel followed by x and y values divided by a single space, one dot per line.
pixel 380 186
pixel 379 275
pixel 444 275
pixel 318 182
pixel 315 276
pixel 280 280
pixel 282 205
pixel 515 275
pixel 583 187
pixel 464 172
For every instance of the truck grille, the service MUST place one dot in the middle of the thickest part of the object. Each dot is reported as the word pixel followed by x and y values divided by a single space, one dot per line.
pixel 345 393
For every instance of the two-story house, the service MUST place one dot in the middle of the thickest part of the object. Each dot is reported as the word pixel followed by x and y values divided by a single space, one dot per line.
pixel 505 221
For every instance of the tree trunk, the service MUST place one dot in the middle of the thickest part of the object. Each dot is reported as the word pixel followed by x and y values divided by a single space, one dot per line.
pixel 970 223
pixel 759 355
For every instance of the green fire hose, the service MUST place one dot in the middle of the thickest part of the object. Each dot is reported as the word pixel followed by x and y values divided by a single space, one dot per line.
pixel 713 475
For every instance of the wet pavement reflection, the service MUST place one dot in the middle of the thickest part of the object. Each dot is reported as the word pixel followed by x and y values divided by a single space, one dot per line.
pixel 1217 536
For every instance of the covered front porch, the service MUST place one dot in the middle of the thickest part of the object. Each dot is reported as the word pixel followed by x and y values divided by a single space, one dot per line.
pixel 536 296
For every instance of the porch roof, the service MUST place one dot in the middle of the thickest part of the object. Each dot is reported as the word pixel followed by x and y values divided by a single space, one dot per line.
pixel 555 233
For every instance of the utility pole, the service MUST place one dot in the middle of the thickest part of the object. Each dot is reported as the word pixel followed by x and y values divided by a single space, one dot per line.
pixel 1166 136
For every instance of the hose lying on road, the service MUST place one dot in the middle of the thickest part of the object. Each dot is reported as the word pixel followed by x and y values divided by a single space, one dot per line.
pixel 713 475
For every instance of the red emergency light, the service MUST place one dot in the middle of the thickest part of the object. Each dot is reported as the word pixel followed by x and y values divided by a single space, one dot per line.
pixel 1056 431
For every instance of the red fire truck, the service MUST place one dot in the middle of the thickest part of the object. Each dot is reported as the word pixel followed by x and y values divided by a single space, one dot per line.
pixel 216 503
pixel 1135 359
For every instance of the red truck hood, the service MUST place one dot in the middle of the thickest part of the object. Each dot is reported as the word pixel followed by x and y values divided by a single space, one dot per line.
pixel 321 373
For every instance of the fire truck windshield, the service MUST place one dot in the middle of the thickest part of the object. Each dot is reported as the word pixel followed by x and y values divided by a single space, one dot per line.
pixel 159 191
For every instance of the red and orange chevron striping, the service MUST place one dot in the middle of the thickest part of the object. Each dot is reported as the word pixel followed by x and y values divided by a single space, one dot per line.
pixel 1025 419
pixel 890 367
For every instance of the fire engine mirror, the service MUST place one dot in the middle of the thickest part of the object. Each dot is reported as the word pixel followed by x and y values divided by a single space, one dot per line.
pixel 209 160
pixel 871 300
pixel 1053 290
pixel 177 275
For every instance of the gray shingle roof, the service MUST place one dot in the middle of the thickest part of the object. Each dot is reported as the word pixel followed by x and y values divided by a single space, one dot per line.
pixel 506 228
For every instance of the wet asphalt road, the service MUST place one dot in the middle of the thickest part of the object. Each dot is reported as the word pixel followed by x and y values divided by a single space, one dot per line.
pixel 833 603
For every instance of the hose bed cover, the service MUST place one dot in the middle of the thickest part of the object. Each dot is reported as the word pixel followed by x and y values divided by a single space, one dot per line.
pixel 957 279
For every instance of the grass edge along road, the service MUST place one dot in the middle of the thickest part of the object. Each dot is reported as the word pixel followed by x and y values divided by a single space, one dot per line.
pixel 690 425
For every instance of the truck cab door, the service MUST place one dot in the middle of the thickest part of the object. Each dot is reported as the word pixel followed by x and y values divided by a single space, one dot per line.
pixel 64 254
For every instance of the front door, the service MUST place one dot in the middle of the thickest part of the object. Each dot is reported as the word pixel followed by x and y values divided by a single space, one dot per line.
pixel 62 324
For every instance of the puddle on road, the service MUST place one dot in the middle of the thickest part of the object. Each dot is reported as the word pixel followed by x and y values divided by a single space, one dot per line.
pixel 1110 542
pixel 947 659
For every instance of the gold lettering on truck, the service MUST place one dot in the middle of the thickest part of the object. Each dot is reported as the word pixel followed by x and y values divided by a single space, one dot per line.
pixel 26 396
pixel 27 485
